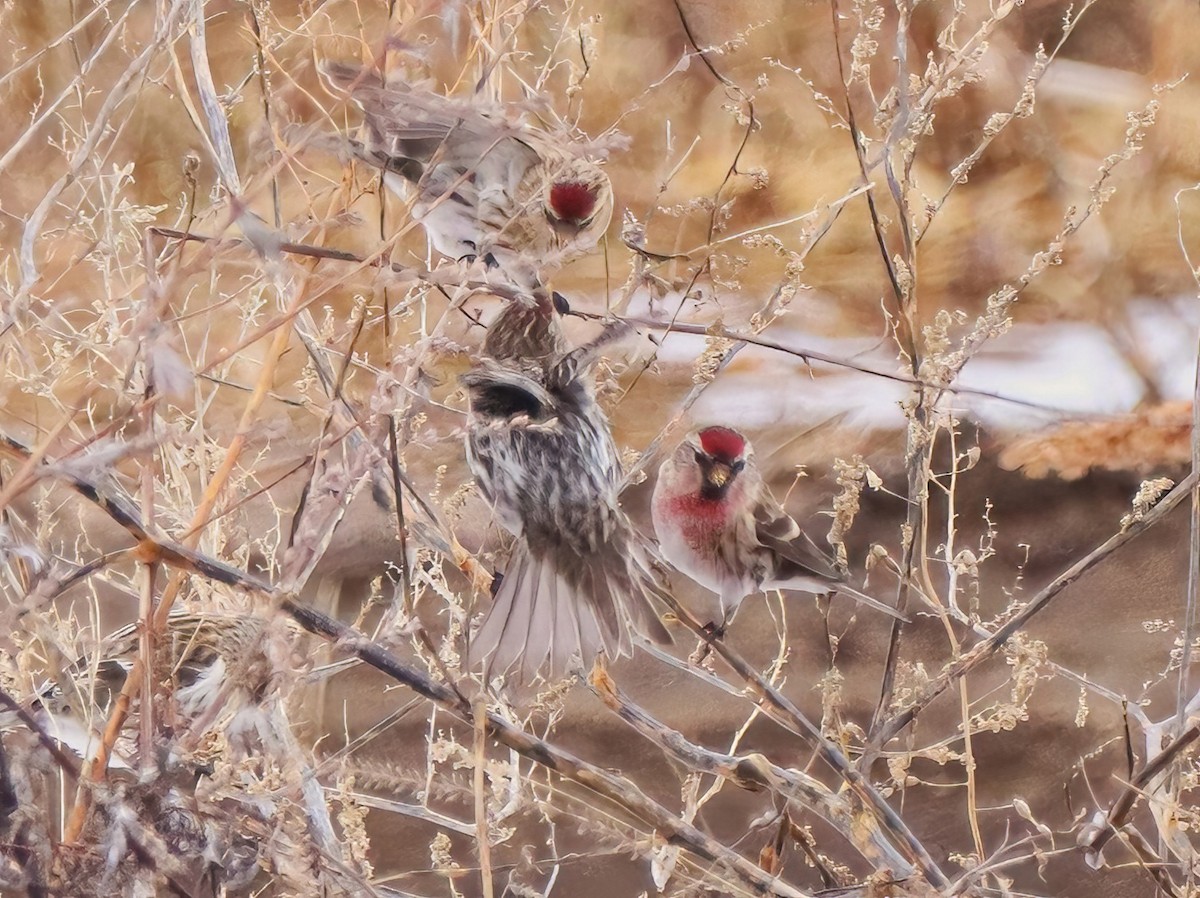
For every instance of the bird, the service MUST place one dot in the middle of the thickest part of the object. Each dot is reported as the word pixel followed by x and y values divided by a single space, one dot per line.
pixel 580 577
pixel 717 522
pixel 528 333
pixel 215 672
pixel 484 184
pixel 214 662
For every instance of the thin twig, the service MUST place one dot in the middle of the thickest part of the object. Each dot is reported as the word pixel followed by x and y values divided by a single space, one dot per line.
pixel 781 709
pixel 1193 584
pixel 65 762
pixel 985 649
pixel 71 767
pixel 1120 808
pixel 482 838
pixel 808 355
pixel 752 772
pixel 613 787
pixel 813 355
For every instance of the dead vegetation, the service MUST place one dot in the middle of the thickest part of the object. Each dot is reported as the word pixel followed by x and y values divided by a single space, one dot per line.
pixel 231 419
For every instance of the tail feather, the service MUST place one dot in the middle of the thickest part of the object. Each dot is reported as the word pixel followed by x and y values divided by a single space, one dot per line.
pixel 491 632
pixel 518 591
pixel 863 599
pixel 597 590
pixel 591 637
pixel 567 632
pixel 542 617
pixel 539 632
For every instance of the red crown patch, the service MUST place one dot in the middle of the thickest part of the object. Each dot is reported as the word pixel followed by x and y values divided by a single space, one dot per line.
pixel 722 443
pixel 572 200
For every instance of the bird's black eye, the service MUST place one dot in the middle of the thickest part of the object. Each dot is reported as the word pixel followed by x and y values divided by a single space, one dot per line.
pixel 737 466
pixel 700 458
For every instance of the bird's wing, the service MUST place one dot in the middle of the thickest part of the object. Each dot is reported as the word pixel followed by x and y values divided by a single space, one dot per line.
pixel 408 126
pixel 501 393
pixel 797 554
pixel 799 560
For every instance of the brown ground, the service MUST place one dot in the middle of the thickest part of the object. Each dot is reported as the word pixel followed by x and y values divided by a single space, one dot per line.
pixel 85 321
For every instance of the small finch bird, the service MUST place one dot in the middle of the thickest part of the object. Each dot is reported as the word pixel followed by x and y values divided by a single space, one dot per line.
pixel 484 184
pixel 218 663
pixel 528 334
pixel 214 672
pixel 543 455
pixel 718 523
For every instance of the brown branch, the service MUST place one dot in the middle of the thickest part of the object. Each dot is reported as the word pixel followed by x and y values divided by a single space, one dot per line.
pixel 621 791
pixel 1120 808
pixel 784 712
pixel 988 647
pixel 752 772
pixel 295 249
pixel 453 271
pixel 150 547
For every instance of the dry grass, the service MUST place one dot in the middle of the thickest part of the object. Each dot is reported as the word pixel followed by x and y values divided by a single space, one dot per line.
pixel 263 426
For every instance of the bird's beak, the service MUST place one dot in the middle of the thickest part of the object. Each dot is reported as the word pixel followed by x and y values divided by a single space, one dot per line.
pixel 718 475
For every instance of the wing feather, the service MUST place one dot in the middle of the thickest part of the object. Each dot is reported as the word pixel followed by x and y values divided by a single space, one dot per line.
pixel 796 554
pixel 799 563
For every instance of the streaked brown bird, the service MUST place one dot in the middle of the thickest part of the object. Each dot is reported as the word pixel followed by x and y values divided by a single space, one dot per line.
pixel 579 578
pixel 484 183
pixel 214 672
pixel 216 664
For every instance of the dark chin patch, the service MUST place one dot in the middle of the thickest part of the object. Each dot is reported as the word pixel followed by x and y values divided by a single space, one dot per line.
pixel 572 201
pixel 712 492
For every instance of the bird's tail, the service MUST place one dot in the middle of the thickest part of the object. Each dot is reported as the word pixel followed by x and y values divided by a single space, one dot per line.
pixel 863 599
pixel 552 618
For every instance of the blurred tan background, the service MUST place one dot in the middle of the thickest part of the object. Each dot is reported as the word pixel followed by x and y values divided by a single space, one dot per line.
pixel 104 134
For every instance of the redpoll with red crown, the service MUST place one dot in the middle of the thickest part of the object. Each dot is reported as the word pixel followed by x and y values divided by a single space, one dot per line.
pixel 718 523
pixel 483 182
